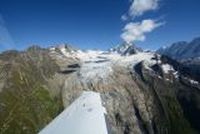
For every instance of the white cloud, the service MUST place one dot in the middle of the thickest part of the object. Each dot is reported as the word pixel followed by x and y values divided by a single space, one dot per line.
pixel 136 31
pixel 138 7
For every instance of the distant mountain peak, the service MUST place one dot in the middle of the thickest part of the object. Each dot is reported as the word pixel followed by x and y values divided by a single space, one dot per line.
pixel 126 49
pixel 197 39
pixel 182 49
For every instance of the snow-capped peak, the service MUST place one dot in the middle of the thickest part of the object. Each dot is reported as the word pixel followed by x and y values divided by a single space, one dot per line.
pixel 126 49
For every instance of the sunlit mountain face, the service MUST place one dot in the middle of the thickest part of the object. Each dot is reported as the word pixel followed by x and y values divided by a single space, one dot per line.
pixel 43 82
pixel 121 67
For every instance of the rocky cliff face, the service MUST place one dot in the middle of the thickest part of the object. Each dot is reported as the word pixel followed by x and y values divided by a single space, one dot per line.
pixel 186 53
pixel 143 93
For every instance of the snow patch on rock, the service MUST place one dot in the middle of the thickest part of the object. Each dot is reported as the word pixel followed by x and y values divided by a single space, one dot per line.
pixel 194 82
pixel 167 68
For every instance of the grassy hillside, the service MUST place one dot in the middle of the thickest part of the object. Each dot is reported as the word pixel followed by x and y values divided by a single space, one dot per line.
pixel 25 103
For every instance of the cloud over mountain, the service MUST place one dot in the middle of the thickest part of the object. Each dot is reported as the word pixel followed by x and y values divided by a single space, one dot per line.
pixel 135 31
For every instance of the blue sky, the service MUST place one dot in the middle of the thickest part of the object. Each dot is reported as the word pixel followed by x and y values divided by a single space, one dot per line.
pixel 92 24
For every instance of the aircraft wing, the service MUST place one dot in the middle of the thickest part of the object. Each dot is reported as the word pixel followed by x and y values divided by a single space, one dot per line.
pixel 85 115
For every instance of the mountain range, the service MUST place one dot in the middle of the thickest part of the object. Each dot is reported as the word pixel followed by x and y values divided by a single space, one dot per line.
pixel 186 53
pixel 182 50
pixel 142 92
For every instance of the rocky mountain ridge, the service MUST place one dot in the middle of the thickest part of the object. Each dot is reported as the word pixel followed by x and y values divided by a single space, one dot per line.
pixel 186 53
pixel 182 50
pixel 143 92
pixel 126 49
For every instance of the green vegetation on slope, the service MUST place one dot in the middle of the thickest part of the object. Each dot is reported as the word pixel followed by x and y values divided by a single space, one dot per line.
pixel 25 104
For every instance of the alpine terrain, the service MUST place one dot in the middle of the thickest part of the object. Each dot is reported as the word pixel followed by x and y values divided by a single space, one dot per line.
pixel 186 53
pixel 142 92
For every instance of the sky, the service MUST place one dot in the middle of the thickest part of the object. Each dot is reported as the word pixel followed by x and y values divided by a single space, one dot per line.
pixel 97 24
